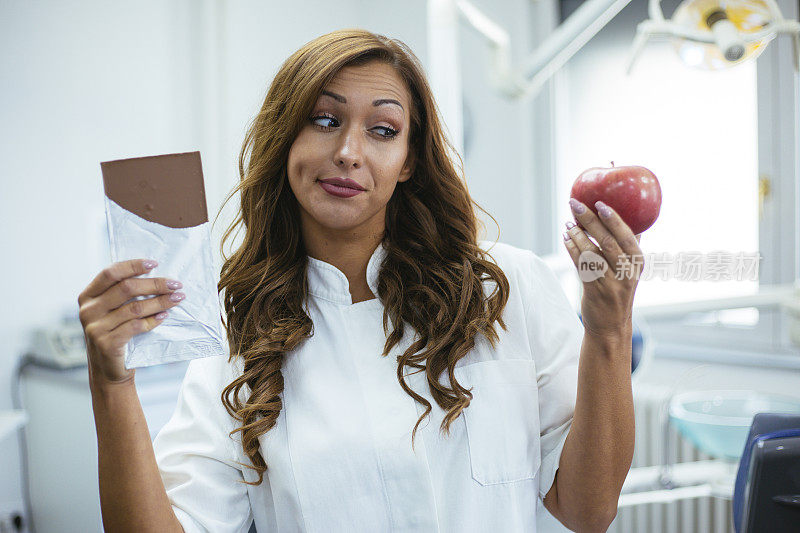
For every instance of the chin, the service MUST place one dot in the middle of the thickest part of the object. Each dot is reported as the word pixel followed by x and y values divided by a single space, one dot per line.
pixel 339 218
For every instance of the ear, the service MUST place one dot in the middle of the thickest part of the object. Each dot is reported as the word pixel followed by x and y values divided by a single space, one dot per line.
pixel 408 169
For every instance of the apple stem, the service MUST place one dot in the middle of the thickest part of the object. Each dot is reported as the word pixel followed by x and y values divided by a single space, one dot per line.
pixel 612 163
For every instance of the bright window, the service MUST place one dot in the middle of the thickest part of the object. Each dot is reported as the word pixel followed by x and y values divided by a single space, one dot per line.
pixel 696 130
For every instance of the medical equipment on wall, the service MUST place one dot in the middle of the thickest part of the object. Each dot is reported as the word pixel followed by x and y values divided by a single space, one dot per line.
pixel 717 34
pixel 60 346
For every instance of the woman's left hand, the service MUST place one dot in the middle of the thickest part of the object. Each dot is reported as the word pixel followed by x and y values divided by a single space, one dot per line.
pixel 608 291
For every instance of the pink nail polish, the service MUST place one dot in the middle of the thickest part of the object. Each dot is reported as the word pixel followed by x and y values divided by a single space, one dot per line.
pixel 576 206
pixel 603 209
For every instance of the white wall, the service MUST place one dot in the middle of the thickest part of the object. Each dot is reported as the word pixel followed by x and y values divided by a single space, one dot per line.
pixel 95 81
pixel 82 83
pixel 498 132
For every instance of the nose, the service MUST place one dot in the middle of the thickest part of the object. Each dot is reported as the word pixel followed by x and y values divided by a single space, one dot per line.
pixel 349 151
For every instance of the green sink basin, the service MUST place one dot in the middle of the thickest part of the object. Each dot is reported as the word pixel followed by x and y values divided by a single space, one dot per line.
pixel 717 422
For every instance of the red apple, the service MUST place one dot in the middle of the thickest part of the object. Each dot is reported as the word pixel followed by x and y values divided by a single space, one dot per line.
pixel 632 191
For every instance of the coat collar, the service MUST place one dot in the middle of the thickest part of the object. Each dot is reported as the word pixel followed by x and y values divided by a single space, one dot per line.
pixel 328 282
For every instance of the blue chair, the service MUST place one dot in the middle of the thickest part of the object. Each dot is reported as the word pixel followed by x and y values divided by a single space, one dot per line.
pixel 766 495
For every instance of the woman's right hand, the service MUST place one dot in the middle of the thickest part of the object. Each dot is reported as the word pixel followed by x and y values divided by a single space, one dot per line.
pixel 109 322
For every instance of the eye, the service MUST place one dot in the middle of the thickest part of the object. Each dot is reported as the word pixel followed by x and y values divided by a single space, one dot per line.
pixel 327 122
pixel 319 122
pixel 389 132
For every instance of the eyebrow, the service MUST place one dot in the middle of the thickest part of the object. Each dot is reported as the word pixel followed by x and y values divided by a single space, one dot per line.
pixel 376 103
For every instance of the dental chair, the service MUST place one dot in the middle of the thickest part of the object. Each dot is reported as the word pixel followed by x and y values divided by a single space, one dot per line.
pixel 767 491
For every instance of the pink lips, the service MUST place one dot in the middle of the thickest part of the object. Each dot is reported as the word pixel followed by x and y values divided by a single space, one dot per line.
pixel 341 187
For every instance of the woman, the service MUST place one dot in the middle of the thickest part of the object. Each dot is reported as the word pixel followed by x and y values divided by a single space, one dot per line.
pixel 368 387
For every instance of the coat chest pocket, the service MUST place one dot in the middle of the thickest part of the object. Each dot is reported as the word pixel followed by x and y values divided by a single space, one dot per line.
pixel 502 420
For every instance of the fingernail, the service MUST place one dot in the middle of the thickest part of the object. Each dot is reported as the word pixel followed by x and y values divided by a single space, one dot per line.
pixel 566 236
pixel 161 316
pixel 576 206
pixel 177 296
pixel 570 224
pixel 174 285
pixel 148 264
pixel 603 209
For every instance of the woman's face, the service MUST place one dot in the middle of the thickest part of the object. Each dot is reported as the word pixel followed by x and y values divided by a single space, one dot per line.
pixel 358 130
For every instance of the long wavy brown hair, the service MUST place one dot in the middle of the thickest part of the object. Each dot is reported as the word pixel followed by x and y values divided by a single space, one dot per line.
pixel 432 276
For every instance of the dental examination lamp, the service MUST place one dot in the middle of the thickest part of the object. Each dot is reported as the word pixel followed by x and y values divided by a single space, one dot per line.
pixel 710 34
pixel 716 34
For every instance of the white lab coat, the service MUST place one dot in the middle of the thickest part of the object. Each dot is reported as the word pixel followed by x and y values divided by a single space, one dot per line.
pixel 340 456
